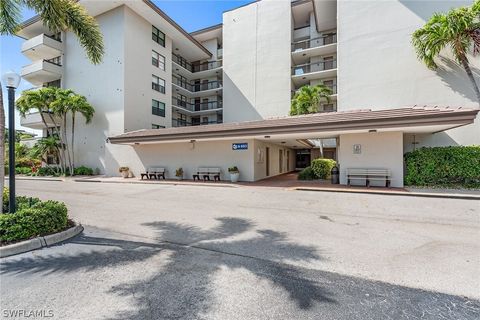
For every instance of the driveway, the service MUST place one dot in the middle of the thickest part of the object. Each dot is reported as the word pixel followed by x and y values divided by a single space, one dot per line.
pixel 165 251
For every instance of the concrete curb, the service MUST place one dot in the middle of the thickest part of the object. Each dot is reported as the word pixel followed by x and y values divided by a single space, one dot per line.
pixel 395 193
pixel 166 182
pixel 39 242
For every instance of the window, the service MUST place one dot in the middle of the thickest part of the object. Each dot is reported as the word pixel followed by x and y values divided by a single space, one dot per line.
pixel 157 126
pixel 158 84
pixel 158 108
pixel 158 36
pixel 158 60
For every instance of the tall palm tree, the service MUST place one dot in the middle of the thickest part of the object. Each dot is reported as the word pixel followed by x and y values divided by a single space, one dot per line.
pixel 459 30
pixel 38 101
pixel 79 104
pixel 57 15
pixel 307 99
pixel 68 102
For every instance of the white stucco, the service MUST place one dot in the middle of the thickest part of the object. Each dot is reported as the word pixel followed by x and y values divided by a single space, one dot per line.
pixel 378 67
pixel 383 150
pixel 256 70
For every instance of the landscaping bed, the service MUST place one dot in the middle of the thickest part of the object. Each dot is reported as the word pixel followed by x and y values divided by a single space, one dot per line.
pixel 33 218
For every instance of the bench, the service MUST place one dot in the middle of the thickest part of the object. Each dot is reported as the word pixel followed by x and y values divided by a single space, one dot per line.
pixel 153 173
pixel 369 175
pixel 206 173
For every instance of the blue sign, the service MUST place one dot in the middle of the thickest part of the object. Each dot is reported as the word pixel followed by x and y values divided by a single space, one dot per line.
pixel 240 146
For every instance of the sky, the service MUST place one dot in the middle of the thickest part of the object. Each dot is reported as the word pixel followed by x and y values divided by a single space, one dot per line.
pixel 191 15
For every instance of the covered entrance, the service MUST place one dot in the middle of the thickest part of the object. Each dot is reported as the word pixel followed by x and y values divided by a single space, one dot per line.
pixel 356 139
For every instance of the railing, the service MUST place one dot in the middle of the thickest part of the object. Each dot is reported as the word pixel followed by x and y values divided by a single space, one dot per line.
pixel 196 87
pixel 314 67
pixel 193 107
pixel 56 61
pixel 185 123
pixel 53 37
pixel 195 67
pixel 324 40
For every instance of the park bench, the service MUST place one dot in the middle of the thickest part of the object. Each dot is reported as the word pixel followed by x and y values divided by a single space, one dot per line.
pixel 206 173
pixel 153 173
pixel 369 175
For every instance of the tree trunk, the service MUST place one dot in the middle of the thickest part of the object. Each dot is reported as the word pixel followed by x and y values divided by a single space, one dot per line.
pixel 466 66
pixel 73 141
pixel 2 145
pixel 65 143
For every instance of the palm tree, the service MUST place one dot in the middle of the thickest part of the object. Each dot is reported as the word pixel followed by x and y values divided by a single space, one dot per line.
pixel 307 99
pixel 459 30
pixel 57 15
pixel 67 102
pixel 79 104
pixel 48 146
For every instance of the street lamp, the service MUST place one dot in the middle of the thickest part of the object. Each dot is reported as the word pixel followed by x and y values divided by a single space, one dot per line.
pixel 12 80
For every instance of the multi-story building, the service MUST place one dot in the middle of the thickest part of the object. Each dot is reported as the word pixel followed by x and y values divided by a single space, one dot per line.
pixel 155 76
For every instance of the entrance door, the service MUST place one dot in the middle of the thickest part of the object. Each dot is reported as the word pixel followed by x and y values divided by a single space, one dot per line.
pixel 280 161
pixel 302 159
pixel 267 161
pixel 288 161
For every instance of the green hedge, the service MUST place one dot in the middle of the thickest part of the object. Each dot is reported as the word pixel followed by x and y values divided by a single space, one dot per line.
pixel 323 167
pixel 306 174
pixel 443 166
pixel 32 218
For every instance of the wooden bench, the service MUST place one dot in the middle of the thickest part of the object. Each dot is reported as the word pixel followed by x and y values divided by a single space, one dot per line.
pixel 206 173
pixel 369 175
pixel 153 173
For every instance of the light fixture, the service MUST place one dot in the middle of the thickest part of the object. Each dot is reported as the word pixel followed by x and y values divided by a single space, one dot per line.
pixel 193 141
pixel 11 79
pixel 372 130
pixel 283 142
pixel 137 143
pixel 267 137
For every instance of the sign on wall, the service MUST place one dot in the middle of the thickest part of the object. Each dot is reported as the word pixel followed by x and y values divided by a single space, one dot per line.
pixel 357 149
pixel 240 146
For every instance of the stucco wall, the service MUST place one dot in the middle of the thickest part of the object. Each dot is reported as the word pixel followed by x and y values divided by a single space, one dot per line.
pixel 256 62
pixel 378 67
pixel 382 150
pixel 102 85
pixel 260 166
pixel 191 156
pixel 138 74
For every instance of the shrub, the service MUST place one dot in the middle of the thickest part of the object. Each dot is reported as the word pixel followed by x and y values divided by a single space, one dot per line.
pixel 23 170
pixel 322 167
pixel 48 171
pixel 21 201
pixel 27 162
pixel 443 166
pixel 83 171
pixel 32 218
pixel 306 174
pixel 233 169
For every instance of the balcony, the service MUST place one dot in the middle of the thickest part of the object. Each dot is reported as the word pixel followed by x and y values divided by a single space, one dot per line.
pixel 42 71
pixel 201 70
pixel 185 123
pixel 197 108
pixel 203 89
pixel 219 53
pixel 303 50
pixel 303 74
pixel 42 47
pixel 34 120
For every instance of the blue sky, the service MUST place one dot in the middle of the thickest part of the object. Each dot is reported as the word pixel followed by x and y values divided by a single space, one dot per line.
pixel 191 15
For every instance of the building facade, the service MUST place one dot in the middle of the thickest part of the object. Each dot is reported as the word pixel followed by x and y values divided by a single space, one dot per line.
pixel 155 75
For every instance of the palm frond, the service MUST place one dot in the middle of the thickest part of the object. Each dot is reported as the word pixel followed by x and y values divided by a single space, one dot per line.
pixel 10 16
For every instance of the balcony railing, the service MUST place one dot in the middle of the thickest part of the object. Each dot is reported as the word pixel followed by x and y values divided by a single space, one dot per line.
pixel 195 67
pixel 314 67
pixel 324 40
pixel 196 87
pixel 185 123
pixel 193 107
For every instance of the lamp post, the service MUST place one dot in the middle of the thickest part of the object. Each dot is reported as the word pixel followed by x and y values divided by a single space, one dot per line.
pixel 12 80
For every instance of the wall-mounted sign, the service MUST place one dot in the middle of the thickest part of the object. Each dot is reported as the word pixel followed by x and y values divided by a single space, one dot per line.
pixel 240 146
pixel 357 149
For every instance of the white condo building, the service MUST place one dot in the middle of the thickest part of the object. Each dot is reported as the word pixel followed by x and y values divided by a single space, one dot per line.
pixel 166 97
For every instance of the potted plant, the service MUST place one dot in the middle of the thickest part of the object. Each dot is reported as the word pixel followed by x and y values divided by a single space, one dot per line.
pixel 124 171
pixel 234 173
pixel 179 173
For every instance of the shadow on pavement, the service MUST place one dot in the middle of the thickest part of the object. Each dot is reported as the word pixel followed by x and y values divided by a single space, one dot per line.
pixel 184 286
